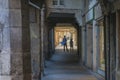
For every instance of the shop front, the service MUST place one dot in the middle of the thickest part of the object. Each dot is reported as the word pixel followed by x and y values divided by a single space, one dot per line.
pixel 100 41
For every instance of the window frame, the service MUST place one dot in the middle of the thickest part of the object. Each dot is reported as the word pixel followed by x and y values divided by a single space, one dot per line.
pixel 55 2
pixel 61 2
pixel 58 2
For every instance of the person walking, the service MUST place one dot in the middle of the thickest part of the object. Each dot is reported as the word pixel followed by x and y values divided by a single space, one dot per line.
pixel 65 43
pixel 71 44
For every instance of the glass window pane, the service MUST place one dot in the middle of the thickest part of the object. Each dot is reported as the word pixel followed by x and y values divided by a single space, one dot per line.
pixel 61 2
pixel 54 2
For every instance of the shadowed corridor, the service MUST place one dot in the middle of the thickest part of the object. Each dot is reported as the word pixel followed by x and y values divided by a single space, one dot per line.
pixel 65 66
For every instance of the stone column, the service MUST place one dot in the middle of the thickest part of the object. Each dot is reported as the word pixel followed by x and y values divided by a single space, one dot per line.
pixel 42 41
pixel 118 46
pixel 107 47
pixel 26 40
pixel 5 41
pixel 46 40
pixel 35 41
pixel 89 46
pixel 51 44
pixel 20 40
pixel 95 45
pixel 83 45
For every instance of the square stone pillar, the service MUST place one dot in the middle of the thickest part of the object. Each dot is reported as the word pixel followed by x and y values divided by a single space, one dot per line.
pixel 4 41
pixel 35 41
pixel 118 46
pixel 20 40
pixel 95 46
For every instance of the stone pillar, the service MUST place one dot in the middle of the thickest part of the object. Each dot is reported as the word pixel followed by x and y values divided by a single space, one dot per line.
pixel 35 41
pixel 107 47
pixel 83 45
pixel 51 42
pixel 42 41
pixel 16 40
pixel 20 40
pixel 46 40
pixel 118 46
pixel 4 41
pixel 95 45
pixel 89 46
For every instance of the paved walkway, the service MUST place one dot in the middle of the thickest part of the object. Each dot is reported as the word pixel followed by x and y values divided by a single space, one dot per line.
pixel 64 66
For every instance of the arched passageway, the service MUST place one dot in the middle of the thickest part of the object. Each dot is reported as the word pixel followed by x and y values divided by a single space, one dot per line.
pixel 60 64
pixel 29 38
pixel 65 65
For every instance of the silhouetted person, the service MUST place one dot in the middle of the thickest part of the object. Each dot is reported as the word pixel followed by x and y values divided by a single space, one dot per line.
pixel 71 44
pixel 65 43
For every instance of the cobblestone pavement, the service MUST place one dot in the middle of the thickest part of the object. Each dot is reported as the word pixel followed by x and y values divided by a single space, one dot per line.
pixel 64 66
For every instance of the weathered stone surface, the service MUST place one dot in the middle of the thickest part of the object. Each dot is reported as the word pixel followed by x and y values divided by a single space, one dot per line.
pixel 15 18
pixel 35 45
pixel 17 77
pixel 16 41
pixel 14 4
pixel 4 17
pixel 16 63
pixel 89 45
pixel 5 77
pixel 4 63
pixel 118 75
pixel 24 4
pixel 27 65
pixel 25 18
pixel 25 40
pixel 5 45
pixel 4 4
